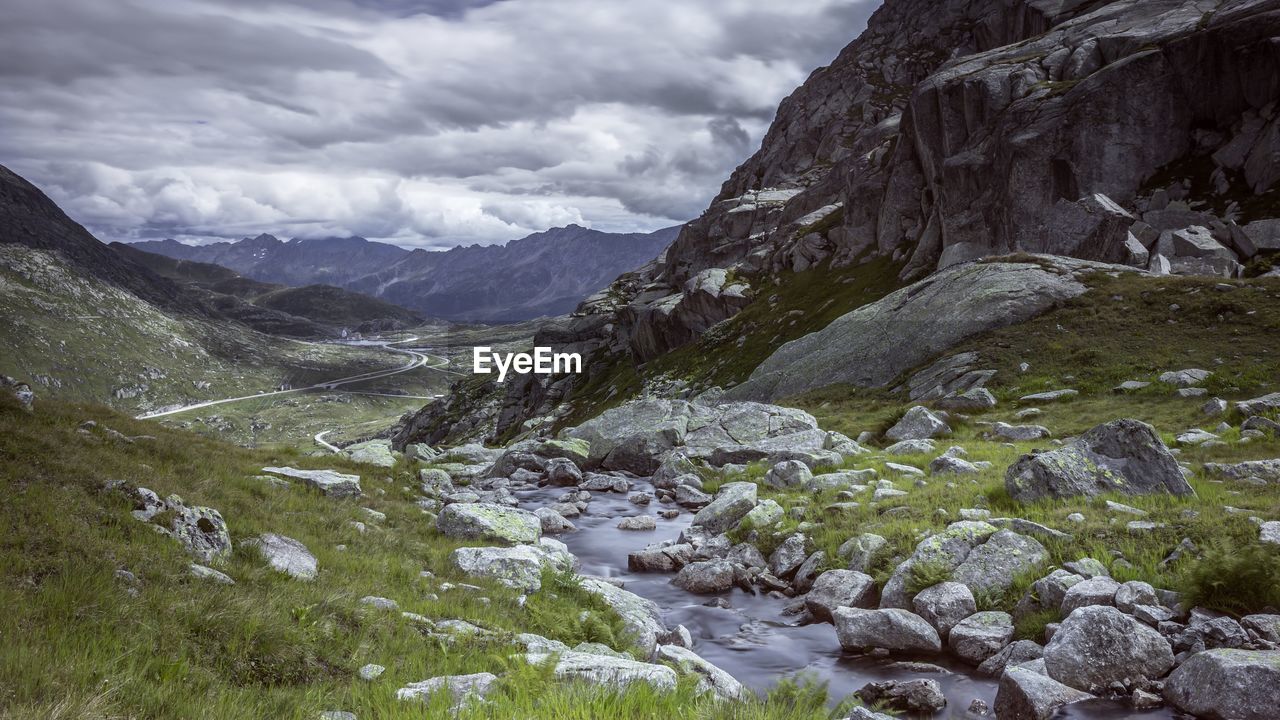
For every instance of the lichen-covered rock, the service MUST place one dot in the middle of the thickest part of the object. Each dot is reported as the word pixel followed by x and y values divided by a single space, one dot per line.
pixel 1024 694
pixel 483 521
pixel 462 689
pixel 1125 456
pixel 517 567
pixel 918 423
pixel 839 588
pixel 1100 590
pixel 610 672
pixel 980 636
pixel 640 617
pixel 788 474
pixel 948 548
pixel 889 629
pixel 732 502
pixel 861 550
pixel 710 576
pixel 1227 684
pixel 285 555
pixel 944 605
pixel 329 482
pixel 714 679
pixel 372 452
pixel 1098 645
pixel 994 565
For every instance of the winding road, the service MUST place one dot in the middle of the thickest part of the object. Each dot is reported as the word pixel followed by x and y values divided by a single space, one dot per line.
pixel 418 359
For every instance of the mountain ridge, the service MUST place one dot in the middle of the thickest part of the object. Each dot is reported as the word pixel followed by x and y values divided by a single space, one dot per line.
pixel 543 274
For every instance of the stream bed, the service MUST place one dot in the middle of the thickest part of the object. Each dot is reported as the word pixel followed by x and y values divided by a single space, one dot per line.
pixel 753 639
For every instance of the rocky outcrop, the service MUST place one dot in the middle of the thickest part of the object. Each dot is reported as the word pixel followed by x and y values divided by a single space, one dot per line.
pixel 868 347
pixel 1125 456
pixel 1139 133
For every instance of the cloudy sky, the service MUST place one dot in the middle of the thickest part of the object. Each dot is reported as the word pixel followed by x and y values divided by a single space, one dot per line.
pixel 427 123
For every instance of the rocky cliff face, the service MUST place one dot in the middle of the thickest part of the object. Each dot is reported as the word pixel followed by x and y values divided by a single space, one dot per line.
pixel 1142 132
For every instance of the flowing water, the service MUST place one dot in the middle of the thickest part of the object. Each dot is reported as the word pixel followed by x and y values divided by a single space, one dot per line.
pixel 754 640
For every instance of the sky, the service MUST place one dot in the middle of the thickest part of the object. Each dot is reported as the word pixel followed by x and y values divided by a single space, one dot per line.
pixel 426 123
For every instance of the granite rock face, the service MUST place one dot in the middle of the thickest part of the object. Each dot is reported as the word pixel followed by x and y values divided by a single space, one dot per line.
pixel 953 131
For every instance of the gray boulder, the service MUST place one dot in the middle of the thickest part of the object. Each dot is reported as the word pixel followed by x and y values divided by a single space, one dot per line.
pixel 918 423
pixel 1227 684
pixel 732 503
pixel 994 565
pixel 1014 653
pixel 1019 433
pixel 613 673
pixel 1259 405
pixel 839 588
pixel 889 629
pixel 285 555
pixel 372 452
pixel 1095 591
pixel 971 400
pixel 787 558
pixel 1123 456
pixel 944 605
pixel 1265 470
pixel 563 473
pixel 705 577
pixel 517 567
pixel 200 530
pixel 788 474
pixel 482 521
pixel 553 523
pixel 948 548
pixel 640 617
pixel 861 550
pixel 920 696
pixel 1099 645
pixel 636 435
pixel 1024 694
pixel 981 635
pixel 864 348
pixel 329 482
pixel 462 689
pixel 713 678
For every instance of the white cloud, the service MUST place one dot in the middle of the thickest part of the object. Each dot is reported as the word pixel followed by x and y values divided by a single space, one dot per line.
pixel 422 122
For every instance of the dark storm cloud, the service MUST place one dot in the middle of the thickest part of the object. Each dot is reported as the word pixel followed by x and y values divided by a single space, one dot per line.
pixel 424 122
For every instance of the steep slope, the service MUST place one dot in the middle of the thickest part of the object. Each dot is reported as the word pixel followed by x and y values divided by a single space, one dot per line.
pixel 81 321
pixel 1135 132
pixel 544 274
pixel 30 219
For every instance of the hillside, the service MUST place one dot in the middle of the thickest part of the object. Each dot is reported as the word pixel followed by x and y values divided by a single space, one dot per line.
pixel 81 321
pixel 326 305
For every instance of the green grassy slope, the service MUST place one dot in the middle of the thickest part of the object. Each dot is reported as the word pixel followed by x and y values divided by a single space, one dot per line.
pixel 78 644
pixel 78 338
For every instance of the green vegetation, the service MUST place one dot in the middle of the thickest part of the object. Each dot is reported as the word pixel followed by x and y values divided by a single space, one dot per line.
pixel 82 642
pixel 1124 328
pixel 1237 580
pixel 53 318
pixel 926 575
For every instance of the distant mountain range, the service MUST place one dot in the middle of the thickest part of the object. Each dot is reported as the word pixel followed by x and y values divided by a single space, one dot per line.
pixel 544 274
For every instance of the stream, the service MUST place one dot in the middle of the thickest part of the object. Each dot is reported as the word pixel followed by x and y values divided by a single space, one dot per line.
pixel 754 640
